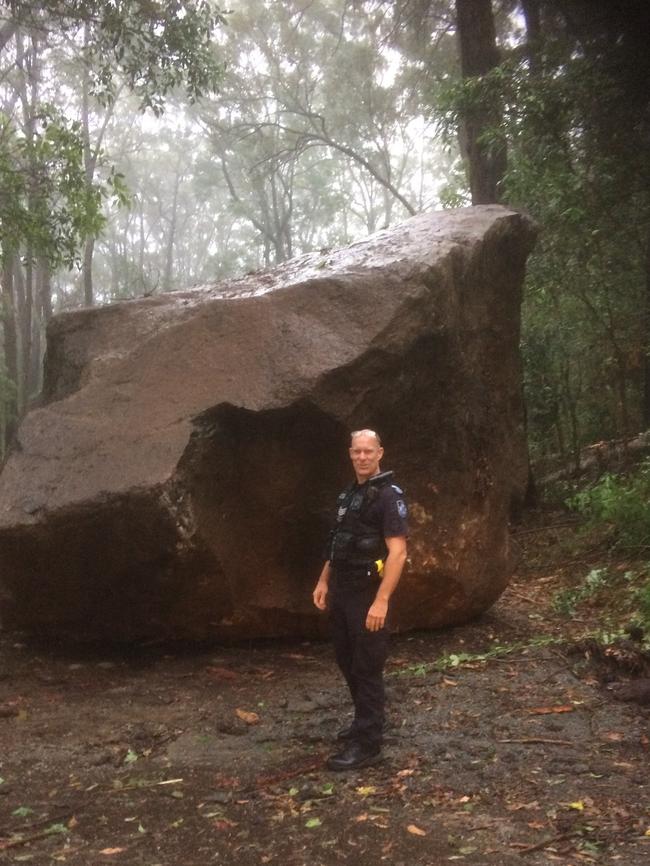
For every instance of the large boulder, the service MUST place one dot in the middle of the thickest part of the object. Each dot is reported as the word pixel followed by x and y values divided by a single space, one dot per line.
pixel 179 478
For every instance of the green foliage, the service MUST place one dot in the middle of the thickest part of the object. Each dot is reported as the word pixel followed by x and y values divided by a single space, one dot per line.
pixel 7 402
pixel 46 205
pixel 622 596
pixel 567 600
pixel 578 162
pixel 642 601
pixel 156 47
pixel 622 503
pixel 455 660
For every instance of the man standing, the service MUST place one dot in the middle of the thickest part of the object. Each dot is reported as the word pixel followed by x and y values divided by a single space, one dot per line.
pixel 365 558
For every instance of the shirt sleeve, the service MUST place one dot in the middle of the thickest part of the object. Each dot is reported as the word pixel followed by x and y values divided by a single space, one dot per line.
pixel 394 513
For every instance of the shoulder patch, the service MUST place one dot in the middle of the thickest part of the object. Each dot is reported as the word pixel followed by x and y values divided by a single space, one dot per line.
pixel 401 508
pixel 396 488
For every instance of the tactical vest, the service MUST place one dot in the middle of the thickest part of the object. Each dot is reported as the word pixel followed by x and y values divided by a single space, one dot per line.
pixel 357 544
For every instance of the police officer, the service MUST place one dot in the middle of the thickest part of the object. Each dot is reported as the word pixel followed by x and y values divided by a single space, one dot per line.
pixel 365 558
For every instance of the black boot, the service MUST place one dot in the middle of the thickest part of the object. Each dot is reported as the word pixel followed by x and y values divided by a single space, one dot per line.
pixel 354 755
pixel 347 733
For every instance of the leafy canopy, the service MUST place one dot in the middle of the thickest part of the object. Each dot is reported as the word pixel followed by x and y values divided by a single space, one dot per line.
pixel 155 46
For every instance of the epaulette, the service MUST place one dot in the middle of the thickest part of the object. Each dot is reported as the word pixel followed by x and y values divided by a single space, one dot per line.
pixel 382 478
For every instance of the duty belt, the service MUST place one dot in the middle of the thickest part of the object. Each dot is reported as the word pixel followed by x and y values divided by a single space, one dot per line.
pixel 357 574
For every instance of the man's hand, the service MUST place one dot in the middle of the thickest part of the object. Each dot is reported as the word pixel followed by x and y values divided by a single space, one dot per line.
pixel 320 595
pixel 377 615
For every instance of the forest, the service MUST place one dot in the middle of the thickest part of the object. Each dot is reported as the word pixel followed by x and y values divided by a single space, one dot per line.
pixel 147 147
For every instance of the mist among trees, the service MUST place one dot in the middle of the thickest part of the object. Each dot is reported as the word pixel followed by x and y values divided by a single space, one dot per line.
pixel 147 147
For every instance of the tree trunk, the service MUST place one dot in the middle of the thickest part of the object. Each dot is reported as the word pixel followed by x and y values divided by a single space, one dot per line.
pixel 646 337
pixel 10 347
pixel 486 161
pixel 45 291
pixel 532 17
pixel 89 168
pixel 87 272
pixel 19 295
pixel 26 324
pixel 171 238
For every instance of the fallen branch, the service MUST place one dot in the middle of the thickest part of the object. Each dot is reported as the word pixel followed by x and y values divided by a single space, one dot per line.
pixel 546 842
pixel 550 526
pixel 11 831
pixel 267 781
pixel 532 740
pixel 24 840
pixel 522 596
pixel 142 785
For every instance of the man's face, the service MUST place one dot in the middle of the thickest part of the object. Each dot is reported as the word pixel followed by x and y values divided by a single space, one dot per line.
pixel 365 454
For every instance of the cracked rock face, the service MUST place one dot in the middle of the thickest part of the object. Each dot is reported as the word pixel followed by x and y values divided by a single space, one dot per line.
pixel 181 474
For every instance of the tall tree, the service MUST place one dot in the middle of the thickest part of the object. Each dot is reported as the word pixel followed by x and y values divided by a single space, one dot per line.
pixel 485 155
pixel 315 85
pixel 50 200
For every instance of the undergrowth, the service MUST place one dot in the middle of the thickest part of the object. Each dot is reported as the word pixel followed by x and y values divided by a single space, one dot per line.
pixel 617 508
pixel 455 660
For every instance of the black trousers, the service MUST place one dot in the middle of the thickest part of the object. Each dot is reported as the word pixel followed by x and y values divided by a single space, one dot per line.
pixel 360 654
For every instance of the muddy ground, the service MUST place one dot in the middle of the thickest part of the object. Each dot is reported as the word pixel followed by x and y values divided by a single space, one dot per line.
pixel 505 746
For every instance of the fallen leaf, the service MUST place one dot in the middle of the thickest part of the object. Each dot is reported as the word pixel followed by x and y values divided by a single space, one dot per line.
pixel 263 673
pixel 223 781
pixel 515 807
pixel 72 823
pixel 405 773
pixel 578 805
pixel 108 852
pixel 366 790
pixel 446 681
pixel 541 711
pixel 249 718
pixel 362 817
pixel 415 830
pixel 224 824
pixel 614 736
pixel 222 673
pixel 313 822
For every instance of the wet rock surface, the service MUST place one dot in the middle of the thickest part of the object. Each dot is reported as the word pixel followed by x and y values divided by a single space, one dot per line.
pixel 179 480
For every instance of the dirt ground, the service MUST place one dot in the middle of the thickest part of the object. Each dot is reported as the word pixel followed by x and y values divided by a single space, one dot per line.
pixel 504 747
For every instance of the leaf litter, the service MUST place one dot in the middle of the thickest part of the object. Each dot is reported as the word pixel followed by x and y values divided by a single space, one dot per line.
pixel 502 748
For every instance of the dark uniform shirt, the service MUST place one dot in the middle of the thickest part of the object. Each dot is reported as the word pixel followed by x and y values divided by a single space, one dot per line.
pixel 388 512
pixel 367 514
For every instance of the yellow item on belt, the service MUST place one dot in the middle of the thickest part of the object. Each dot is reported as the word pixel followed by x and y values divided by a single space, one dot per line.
pixel 380 567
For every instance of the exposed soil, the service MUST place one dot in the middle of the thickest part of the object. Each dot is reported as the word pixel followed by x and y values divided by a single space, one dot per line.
pixel 187 756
